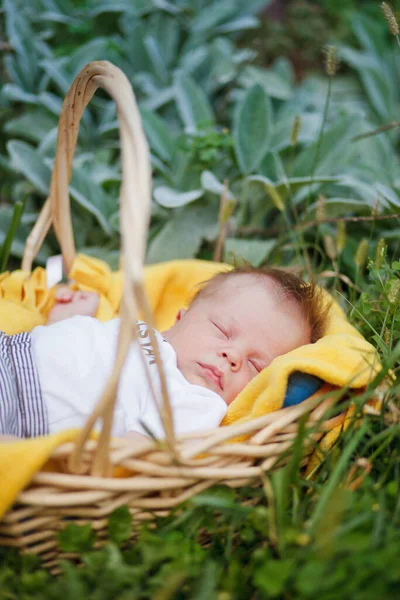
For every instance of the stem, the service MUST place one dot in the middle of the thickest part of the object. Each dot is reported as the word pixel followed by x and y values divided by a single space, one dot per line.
pixel 318 150
pixel 307 224
pixel 223 220
pixel 381 129
pixel 291 230
pixel 321 132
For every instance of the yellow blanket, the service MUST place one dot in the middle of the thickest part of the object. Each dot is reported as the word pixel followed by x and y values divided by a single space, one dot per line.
pixel 342 357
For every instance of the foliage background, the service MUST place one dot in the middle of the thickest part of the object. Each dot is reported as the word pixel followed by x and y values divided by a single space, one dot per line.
pixel 260 152
pixel 212 115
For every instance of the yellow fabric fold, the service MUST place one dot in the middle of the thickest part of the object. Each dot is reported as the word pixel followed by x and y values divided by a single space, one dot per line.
pixel 342 357
pixel 20 460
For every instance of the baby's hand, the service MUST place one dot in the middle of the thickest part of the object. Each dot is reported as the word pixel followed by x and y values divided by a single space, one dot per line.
pixel 70 303
pixel 64 294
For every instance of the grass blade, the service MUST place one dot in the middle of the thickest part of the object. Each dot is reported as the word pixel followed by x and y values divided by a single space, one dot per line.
pixel 334 480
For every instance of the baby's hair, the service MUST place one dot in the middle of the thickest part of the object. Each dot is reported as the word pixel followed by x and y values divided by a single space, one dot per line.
pixel 314 307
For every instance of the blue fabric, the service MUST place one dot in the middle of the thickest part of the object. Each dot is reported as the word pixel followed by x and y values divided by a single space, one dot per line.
pixel 300 387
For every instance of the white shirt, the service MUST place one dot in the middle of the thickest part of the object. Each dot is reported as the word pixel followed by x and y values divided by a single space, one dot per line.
pixel 74 360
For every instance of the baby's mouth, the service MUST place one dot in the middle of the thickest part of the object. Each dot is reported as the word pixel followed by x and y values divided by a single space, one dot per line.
pixel 214 374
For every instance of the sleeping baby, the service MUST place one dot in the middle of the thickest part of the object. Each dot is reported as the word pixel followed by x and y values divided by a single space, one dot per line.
pixel 236 325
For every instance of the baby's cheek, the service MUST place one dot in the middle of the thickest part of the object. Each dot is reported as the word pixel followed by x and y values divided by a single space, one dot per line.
pixel 246 379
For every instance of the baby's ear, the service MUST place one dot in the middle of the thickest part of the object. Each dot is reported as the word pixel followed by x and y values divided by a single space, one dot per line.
pixel 181 312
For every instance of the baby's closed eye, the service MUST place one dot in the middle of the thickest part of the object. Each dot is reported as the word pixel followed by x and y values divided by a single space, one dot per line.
pixel 255 365
pixel 221 328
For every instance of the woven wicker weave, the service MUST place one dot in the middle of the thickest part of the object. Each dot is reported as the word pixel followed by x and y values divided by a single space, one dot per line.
pixel 156 477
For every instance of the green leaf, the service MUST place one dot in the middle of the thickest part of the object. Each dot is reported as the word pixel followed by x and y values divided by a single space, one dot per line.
pixel 76 538
pixel 273 84
pixel 290 185
pixel 221 499
pixel 254 252
pixel 210 183
pixel 193 60
pixel 14 92
pixel 208 19
pixel 58 18
pixel 120 525
pixel 159 99
pixel 20 34
pixel 48 144
pixel 158 133
pixel 207 583
pixel 28 162
pixel 364 190
pixel 182 236
pixel 55 69
pixel 373 153
pixel 105 6
pixel 19 241
pixel 308 580
pixel 224 60
pixel 252 128
pixel 272 576
pixel 167 31
pixel 92 197
pixel 169 198
pixel 284 68
pixel 87 52
pixel 310 125
pixel 378 83
pixel 339 207
pixel 240 24
pixel 384 191
pixel 335 151
pixel 156 58
pixel 52 102
pixel 370 33
pixel 12 230
pixel 192 102
pixel 379 91
pixel 32 125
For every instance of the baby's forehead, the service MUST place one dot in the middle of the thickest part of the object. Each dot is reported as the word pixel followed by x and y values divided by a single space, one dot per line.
pixel 241 287
pixel 243 282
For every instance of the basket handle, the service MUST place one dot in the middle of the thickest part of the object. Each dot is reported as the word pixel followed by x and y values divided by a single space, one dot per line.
pixel 135 202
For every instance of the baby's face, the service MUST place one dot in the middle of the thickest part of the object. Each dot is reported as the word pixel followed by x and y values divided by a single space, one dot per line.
pixel 227 338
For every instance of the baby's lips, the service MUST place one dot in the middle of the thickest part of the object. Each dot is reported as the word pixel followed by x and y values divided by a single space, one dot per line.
pixel 217 375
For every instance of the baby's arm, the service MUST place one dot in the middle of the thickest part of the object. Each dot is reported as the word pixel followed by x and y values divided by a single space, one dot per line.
pixel 70 303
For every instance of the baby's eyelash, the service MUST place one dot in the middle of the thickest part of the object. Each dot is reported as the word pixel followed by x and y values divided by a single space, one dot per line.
pixel 221 329
pixel 256 366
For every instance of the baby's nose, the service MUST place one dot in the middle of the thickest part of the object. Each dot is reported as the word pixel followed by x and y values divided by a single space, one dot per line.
pixel 234 358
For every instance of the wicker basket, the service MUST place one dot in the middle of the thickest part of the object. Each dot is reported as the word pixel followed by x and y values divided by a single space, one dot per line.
pixel 156 477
